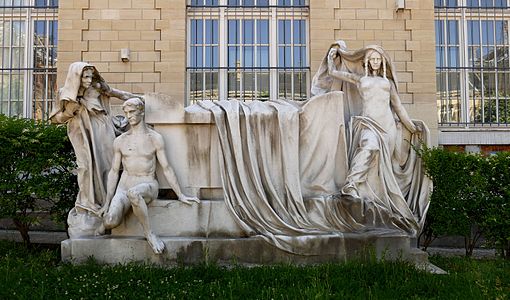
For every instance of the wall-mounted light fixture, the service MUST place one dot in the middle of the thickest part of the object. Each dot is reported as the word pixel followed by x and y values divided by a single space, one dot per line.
pixel 400 4
pixel 124 54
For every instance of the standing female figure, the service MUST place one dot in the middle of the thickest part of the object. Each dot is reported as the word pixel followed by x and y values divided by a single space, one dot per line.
pixel 378 177
pixel 84 105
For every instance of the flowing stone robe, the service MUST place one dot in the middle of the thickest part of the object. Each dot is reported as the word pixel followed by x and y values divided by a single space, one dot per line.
pixel 283 164
pixel 91 131
pixel 395 193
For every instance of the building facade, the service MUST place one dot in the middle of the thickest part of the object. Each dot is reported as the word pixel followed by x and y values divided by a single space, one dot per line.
pixel 451 55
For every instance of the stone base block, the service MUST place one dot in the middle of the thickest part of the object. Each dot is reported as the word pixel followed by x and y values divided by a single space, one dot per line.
pixel 209 218
pixel 252 250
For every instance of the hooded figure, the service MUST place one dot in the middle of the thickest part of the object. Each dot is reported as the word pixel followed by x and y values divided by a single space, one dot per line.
pixel 385 175
pixel 84 105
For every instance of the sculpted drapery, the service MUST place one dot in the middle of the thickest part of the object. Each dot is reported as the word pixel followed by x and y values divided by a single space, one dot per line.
pixel 285 165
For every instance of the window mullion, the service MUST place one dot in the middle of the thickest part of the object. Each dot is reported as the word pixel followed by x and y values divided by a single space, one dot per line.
pixel 273 49
pixel 223 47
pixel 27 76
pixel 464 64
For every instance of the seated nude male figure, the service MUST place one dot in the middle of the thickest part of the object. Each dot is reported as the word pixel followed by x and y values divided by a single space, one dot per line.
pixel 137 150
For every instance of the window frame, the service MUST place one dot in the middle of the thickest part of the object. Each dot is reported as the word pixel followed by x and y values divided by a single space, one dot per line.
pixel 463 15
pixel 271 12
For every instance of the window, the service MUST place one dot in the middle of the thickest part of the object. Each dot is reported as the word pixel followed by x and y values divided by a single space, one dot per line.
pixel 28 37
pixel 247 50
pixel 472 62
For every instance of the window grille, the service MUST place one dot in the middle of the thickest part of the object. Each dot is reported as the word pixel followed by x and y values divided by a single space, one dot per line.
pixel 247 49
pixel 472 62
pixel 28 37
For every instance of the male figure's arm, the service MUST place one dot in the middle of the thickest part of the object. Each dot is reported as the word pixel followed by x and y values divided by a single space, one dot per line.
pixel 168 171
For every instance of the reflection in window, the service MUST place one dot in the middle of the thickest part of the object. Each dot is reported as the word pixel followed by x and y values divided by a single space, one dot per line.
pixel 259 62
pixel 28 84
pixel 480 56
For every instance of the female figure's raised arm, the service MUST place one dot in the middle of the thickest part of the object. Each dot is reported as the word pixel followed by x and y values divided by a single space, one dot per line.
pixel 399 109
pixel 345 76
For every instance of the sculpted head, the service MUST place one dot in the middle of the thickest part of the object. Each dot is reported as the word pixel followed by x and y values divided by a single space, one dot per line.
pixel 86 77
pixel 375 63
pixel 134 108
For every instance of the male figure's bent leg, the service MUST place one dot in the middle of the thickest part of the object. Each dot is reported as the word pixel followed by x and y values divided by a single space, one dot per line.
pixel 117 210
pixel 139 196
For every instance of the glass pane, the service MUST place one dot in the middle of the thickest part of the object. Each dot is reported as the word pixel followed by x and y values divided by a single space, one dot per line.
pixel 249 85
pixel 299 32
pixel 211 85
pixel 453 57
pixel 40 33
pixel 440 57
pixel 439 32
pixel 52 86
pixel 196 32
pixel 248 56
pixel 453 34
pixel 233 57
pixel 284 58
pixel 284 33
pixel 18 33
pixel 39 57
pixel 233 29
pixel 487 32
pixel 211 31
pixel 196 57
pixel 234 84
pixel 502 57
pixel 501 32
pixel 300 86
pixel 473 32
pixel 504 84
pixel 196 85
pixel 263 86
pixel 248 32
pixel 263 31
pixel 17 58
pixel 474 56
pixel 300 57
pixel 285 85
pixel 211 56
pixel 263 58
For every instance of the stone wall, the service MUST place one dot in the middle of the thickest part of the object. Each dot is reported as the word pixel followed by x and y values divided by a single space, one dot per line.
pixel 155 32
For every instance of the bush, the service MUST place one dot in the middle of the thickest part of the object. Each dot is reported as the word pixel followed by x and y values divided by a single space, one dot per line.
pixel 471 196
pixel 34 172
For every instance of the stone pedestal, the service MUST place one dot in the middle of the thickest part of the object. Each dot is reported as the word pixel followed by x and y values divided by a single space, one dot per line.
pixel 207 232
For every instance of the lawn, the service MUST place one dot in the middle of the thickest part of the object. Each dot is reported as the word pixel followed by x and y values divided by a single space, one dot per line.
pixel 38 274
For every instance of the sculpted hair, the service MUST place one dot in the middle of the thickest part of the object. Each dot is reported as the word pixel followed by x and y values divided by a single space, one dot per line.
pixel 134 102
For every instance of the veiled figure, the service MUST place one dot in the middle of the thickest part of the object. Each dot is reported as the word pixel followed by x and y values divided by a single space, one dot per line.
pixel 84 105
pixel 385 176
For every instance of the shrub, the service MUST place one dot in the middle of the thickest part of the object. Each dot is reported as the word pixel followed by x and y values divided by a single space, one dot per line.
pixel 34 172
pixel 471 196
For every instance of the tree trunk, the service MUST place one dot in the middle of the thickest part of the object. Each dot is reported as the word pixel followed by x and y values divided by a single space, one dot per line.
pixel 23 230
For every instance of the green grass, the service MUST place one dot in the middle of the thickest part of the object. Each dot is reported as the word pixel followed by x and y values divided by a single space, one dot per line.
pixel 38 274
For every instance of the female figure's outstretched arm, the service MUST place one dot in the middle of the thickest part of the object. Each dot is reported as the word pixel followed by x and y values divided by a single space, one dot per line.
pixel 332 70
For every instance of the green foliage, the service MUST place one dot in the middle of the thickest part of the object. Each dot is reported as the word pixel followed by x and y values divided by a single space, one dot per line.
pixel 471 196
pixel 34 172
pixel 49 279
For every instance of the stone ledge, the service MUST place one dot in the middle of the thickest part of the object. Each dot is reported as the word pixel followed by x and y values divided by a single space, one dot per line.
pixel 243 251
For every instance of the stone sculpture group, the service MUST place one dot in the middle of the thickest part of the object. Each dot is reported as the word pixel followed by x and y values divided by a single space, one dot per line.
pixel 288 176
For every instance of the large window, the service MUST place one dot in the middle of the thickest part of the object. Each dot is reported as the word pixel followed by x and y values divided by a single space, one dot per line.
pixel 28 45
pixel 247 49
pixel 472 62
